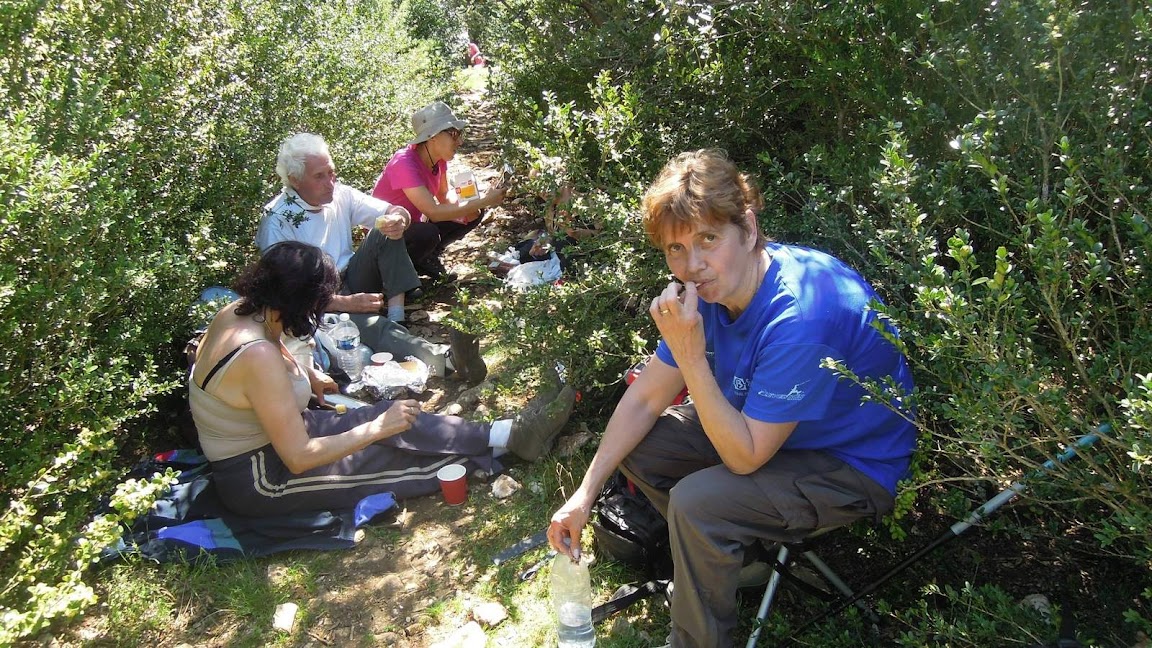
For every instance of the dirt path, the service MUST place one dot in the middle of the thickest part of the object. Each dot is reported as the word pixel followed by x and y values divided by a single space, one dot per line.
pixel 504 224
pixel 386 586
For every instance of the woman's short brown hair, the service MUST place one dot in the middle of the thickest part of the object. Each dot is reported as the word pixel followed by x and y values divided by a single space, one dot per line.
pixel 697 188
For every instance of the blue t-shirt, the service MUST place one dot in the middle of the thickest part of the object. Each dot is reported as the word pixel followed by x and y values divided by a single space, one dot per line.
pixel 812 306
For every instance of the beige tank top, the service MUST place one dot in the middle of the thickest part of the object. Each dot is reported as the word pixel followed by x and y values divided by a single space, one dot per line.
pixel 226 431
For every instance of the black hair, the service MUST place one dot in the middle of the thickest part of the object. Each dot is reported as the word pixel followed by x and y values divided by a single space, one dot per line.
pixel 294 278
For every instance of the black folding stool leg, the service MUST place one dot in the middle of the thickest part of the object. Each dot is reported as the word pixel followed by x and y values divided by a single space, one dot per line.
pixel 783 556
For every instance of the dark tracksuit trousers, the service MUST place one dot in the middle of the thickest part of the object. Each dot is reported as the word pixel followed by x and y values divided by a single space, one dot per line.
pixel 258 483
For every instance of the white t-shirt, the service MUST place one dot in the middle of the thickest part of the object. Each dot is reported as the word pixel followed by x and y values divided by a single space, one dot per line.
pixel 330 229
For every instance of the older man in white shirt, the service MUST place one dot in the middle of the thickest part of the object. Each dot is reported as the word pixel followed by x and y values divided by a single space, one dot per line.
pixel 313 207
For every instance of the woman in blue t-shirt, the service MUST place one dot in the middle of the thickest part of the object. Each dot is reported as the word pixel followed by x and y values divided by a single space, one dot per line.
pixel 774 444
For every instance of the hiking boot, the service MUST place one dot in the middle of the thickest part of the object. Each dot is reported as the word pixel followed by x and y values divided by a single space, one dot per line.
pixel 535 428
pixel 432 268
pixel 464 352
pixel 754 574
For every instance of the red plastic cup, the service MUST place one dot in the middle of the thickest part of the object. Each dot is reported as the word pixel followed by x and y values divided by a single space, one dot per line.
pixel 453 483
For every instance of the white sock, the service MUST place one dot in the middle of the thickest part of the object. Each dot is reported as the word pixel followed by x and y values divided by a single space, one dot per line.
pixel 498 436
pixel 396 313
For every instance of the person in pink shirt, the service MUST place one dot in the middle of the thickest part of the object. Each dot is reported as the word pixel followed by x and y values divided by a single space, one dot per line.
pixel 474 55
pixel 416 178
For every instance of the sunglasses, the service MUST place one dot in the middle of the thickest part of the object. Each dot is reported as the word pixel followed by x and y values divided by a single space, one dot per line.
pixel 454 133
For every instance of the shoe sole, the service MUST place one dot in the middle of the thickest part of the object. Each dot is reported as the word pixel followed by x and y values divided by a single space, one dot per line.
pixel 546 443
pixel 466 357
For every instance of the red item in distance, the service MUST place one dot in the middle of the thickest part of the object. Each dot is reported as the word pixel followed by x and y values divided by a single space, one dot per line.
pixel 634 370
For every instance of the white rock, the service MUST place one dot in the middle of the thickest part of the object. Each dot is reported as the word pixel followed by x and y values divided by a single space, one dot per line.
pixel 567 446
pixel 285 617
pixel 621 627
pixel 470 636
pixel 1040 603
pixel 504 486
pixel 489 613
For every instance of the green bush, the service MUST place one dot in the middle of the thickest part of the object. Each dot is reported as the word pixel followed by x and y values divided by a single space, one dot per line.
pixel 595 321
pixel 972 616
pixel 137 144
pixel 1023 257
pixel 437 23
pixel 986 166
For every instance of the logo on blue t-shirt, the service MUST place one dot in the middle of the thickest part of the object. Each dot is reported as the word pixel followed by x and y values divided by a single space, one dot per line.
pixel 740 385
pixel 794 394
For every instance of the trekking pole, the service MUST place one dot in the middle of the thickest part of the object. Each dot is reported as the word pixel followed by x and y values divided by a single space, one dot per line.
pixel 974 518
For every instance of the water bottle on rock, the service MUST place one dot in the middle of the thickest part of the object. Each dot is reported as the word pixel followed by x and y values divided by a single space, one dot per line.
pixel 572 598
pixel 346 336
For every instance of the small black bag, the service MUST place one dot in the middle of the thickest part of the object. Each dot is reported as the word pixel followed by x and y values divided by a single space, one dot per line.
pixel 629 529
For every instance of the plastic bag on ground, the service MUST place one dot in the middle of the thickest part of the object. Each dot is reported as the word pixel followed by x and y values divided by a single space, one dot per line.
pixel 535 273
pixel 392 380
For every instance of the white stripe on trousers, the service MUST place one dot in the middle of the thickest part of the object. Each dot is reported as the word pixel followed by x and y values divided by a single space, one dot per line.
pixel 297 485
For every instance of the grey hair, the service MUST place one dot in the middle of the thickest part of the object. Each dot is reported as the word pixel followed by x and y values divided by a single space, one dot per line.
pixel 294 150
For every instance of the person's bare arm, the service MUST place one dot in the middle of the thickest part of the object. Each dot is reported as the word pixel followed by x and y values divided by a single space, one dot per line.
pixel 634 416
pixel 438 211
pixel 744 444
pixel 268 388
pixel 321 383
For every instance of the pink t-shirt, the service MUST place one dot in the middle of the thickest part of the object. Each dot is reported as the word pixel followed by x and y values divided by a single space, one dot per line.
pixel 404 171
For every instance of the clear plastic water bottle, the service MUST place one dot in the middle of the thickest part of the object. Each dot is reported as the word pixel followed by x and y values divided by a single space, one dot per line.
pixel 572 599
pixel 365 355
pixel 346 336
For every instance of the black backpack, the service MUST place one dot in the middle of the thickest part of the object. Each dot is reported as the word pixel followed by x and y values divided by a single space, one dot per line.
pixel 628 529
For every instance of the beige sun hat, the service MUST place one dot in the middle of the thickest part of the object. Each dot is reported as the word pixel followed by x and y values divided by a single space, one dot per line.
pixel 432 119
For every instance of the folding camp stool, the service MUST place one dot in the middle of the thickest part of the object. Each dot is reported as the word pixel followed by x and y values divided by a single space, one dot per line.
pixel 780 565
